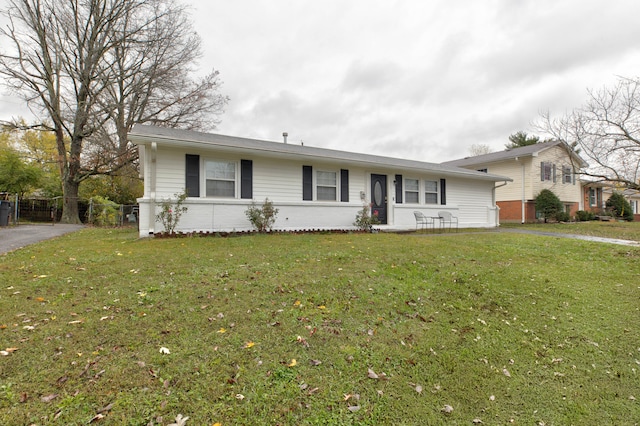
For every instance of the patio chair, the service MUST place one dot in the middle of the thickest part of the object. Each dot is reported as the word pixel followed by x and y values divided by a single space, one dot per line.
pixel 422 221
pixel 448 218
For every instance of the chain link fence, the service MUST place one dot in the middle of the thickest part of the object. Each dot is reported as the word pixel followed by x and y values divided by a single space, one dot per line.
pixel 97 212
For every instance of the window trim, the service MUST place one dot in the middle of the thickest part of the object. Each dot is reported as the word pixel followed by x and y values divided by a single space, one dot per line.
pixel 416 191
pixel 436 182
pixel 235 177
pixel 335 187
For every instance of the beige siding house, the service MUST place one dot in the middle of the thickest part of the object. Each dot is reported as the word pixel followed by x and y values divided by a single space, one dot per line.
pixel 549 165
pixel 313 188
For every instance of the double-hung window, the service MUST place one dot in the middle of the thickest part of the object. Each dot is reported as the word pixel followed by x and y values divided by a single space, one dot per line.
pixel 411 191
pixel 326 186
pixel 567 176
pixel 547 171
pixel 220 178
pixel 431 192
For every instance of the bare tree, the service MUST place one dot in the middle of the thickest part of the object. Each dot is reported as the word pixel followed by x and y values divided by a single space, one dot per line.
pixel 93 68
pixel 606 130
pixel 479 149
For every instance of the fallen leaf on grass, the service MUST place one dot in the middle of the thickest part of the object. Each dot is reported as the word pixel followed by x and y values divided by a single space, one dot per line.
pixel 106 408
pixel 23 397
pixel 222 330
pixel 353 408
pixel 49 398
pixel 418 389
pixel 302 341
pixel 315 362
pixel 477 421
pixel 293 363
pixel 96 418
pixel 164 351
pixel 249 345
pixel 372 375
pixel 447 409
pixel 8 351
pixel 506 372
pixel 239 396
pixel 180 420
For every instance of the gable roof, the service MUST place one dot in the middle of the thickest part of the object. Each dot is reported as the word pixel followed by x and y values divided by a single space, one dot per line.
pixel 507 154
pixel 144 134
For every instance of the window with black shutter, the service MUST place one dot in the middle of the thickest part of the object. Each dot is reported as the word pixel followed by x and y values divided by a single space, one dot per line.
pixel 246 179
pixel 192 175
pixel 307 183
pixel 344 185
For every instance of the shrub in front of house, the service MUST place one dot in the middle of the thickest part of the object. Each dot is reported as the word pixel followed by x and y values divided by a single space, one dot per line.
pixel 262 218
pixel 365 220
pixel 584 216
pixel 548 205
pixel 619 206
pixel 563 216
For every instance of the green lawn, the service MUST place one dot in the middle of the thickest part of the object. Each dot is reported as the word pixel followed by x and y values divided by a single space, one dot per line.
pixel 294 329
pixel 620 230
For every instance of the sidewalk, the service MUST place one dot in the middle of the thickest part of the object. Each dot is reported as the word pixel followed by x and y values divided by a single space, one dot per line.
pixel 15 237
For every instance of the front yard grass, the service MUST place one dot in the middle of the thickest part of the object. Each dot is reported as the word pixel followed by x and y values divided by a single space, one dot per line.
pixel 342 329
pixel 612 229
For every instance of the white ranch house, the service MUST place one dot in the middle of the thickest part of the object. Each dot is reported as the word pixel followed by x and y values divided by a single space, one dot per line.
pixel 313 188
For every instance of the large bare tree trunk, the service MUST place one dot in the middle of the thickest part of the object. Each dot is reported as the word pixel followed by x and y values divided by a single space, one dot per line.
pixel 70 211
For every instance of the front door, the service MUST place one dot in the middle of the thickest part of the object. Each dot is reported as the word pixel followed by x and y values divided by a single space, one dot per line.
pixel 379 197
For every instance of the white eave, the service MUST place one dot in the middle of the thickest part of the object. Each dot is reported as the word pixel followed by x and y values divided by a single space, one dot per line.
pixel 145 134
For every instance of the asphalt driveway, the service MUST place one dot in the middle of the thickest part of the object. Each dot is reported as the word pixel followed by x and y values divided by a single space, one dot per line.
pixel 15 237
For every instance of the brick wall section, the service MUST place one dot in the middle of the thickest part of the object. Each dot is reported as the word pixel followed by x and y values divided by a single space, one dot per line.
pixel 511 211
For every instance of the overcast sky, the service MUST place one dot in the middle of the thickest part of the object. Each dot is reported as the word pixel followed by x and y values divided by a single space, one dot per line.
pixel 413 79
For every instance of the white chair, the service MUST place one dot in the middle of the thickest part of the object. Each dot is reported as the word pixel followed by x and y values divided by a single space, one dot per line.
pixel 448 218
pixel 422 220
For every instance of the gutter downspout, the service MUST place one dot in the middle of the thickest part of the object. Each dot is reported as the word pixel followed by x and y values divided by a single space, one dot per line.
pixel 523 220
pixel 152 188
pixel 495 204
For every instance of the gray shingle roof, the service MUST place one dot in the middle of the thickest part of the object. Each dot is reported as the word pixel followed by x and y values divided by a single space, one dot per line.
pixel 523 151
pixel 141 134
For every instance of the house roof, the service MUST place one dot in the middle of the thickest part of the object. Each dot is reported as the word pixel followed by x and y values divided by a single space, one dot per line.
pixel 524 151
pixel 144 134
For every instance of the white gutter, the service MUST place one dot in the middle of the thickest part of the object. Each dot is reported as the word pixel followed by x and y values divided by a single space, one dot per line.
pixel 523 189
pixel 152 188
pixel 495 204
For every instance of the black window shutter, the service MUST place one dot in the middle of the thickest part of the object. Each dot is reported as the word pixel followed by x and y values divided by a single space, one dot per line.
pixel 344 185
pixel 246 179
pixel 192 175
pixel 542 171
pixel 399 189
pixel 443 191
pixel 307 183
pixel 554 173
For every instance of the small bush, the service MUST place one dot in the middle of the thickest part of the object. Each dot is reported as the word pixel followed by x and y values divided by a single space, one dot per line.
pixel 619 206
pixel 170 212
pixel 584 216
pixel 103 212
pixel 548 205
pixel 563 216
pixel 262 218
pixel 364 219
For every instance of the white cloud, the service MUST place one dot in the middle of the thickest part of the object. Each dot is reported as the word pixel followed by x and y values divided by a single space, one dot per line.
pixel 421 80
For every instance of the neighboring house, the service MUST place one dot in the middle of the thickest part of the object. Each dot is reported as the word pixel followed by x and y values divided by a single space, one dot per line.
pixel 596 195
pixel 548 165
pixel 313 188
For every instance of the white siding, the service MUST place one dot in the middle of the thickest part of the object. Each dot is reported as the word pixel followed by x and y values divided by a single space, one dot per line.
pixel 280 180
pixel 567 192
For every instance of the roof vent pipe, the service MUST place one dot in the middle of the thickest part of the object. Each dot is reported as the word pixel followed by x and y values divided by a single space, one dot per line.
pixel 284 136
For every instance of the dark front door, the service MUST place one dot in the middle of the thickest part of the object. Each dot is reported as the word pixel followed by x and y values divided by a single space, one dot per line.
pixel 379 197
